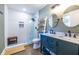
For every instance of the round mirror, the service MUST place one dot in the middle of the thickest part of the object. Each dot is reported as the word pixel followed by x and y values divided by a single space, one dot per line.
pixel 71 16
pixel 50 21
pixel 53 20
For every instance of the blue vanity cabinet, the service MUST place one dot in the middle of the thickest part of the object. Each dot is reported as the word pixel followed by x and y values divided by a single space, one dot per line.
pixel 52 44
pixel 67 48
pixel 48 43
pixel 57 46
pixel 43 44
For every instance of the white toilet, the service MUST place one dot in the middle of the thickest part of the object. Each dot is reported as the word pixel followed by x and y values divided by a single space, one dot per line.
pixel 36 43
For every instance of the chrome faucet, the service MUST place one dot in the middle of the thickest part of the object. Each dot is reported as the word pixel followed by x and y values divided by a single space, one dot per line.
pixel 69 32
pixel 75 34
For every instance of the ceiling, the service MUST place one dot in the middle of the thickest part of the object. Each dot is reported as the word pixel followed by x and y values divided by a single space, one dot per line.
pixel 30 8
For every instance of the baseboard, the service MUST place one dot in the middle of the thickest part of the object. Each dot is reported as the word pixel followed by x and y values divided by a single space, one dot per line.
pixel 28 43
pixel 3 52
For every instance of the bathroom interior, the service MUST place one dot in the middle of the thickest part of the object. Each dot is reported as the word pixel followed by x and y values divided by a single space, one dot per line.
pixel 39 29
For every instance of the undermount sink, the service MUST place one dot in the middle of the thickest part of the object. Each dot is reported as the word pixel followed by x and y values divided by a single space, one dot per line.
pixel 64 37
pixel 60 36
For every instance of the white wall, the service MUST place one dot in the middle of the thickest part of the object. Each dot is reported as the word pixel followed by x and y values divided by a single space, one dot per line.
pixel 25 35
pixel 36 17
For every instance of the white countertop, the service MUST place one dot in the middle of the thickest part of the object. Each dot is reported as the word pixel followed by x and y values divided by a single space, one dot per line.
pixel 64 38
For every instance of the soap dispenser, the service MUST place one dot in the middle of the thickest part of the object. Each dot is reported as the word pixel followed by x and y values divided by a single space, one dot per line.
pixel 51 31
pixel 65 34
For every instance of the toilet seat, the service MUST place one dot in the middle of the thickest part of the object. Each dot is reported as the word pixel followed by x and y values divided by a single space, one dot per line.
pixel 36 40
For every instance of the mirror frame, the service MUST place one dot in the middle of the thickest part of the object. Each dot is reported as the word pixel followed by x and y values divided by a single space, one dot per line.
pixel 55 23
